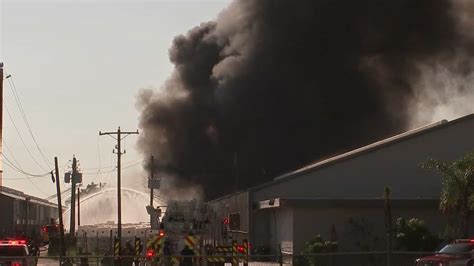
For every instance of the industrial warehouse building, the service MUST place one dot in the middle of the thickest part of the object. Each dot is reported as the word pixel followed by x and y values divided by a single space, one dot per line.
pixel 22 213
pixel 341 198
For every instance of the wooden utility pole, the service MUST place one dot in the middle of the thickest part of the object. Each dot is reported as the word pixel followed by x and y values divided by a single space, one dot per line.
pixel 388 224
pixel 1 120
pixel 120 135
pixel 27 215
pixel 152 176
pixel 72 221
pixel 62 248
pixel 78 207
pixel 236 172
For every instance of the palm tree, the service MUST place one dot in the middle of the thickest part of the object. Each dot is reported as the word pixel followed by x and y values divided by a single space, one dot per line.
pixel 457 192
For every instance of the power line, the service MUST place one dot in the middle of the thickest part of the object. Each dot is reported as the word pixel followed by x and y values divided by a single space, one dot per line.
pixel 37 188
pixel 20 105
pixel 13 167
pixel 19 178
pixel 29 176
pixel 110 166
pixel 98 153
pixel 100 173
pixel 25 119
pixel 16 165
pixel 21 138
pixel 19 169
pixel 113 170
pixel 62 192
pixel 10 152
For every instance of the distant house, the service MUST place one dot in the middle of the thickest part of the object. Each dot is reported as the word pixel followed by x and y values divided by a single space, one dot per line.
pixel 342 197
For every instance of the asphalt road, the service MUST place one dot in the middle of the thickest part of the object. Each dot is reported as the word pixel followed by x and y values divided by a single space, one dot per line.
pixel 43 260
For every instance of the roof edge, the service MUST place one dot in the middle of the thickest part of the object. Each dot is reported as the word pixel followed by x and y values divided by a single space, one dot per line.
pixel 365 149
pixel 13 193
pixel 347 203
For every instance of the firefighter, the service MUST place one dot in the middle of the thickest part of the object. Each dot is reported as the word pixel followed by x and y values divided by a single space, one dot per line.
pixel 187 260
pixel 167 253
pixel 128 253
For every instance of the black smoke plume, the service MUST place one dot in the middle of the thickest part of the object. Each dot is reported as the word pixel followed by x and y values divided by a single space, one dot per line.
pixel 272 85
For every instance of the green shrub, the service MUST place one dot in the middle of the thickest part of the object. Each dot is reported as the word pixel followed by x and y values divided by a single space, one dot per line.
pixel 413 235
pixel 316 245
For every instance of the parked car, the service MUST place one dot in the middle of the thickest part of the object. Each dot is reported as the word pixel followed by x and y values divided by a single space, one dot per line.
pixel 16 253
pixel 461 252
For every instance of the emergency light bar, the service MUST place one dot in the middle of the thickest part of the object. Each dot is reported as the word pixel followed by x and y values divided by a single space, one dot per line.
pixel 14 242
pixel 150 253
pixel 464 241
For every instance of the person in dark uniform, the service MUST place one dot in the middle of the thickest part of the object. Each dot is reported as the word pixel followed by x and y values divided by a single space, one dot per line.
pixel 128 252
pixel 167 253
pixel 188 260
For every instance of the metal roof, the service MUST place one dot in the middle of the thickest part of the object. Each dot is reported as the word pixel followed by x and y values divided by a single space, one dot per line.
pixel 16 194
pixel 365 149
pixel 348 203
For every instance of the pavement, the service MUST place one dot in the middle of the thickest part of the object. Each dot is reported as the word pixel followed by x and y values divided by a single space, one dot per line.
pixel 43 260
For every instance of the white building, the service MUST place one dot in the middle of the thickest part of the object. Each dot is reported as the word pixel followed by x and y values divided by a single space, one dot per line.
pixel 342 197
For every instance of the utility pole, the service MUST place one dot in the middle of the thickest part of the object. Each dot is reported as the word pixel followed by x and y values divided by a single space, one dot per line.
pixel 236 172
pixel 120 135
pixel 27 215
pixel 60 210
pixel 388 224
pixel 152 176
pixel 72 221
pixel 78 207
pixel 153 183
pixel 1 120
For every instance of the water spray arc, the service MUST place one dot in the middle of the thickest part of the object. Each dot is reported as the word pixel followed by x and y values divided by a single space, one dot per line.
pixel 138 199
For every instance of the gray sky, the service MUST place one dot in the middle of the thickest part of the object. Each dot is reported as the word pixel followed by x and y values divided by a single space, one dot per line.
pixel 77 67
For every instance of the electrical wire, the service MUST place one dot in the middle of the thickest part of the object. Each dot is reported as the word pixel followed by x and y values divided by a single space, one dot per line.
pixel 18 169
pixel 98 153
pixel 10 152
pixel 21 138
pixel 99 173
pixel 29 176
pixel 62 193
pixel 110 166
pixel 25 119
pixel 113 170
pixel 6 163
pixel 19 178
pixel 13 167
pixel 37 188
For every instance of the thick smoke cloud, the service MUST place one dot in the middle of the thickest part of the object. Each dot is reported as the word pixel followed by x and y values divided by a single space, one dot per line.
pixel 272 85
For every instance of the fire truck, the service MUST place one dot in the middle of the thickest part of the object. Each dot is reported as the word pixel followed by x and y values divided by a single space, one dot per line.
pixel 183 224
pixel 48 231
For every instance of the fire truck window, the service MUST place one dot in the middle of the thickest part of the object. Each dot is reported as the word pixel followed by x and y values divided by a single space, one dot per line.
pixel 234 221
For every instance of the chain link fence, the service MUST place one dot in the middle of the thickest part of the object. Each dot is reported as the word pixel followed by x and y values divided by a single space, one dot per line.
pixel 319 259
